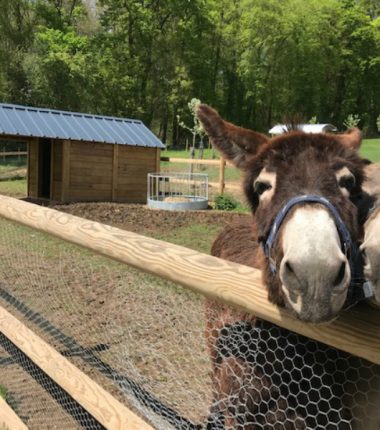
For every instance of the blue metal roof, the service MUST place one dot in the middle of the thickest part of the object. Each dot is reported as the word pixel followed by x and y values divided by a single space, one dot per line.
pixel 26 121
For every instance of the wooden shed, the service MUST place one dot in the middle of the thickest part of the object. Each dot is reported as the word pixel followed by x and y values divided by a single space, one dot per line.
pixel 81 157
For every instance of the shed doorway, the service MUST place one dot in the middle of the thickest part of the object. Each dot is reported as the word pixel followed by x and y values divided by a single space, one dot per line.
pixel 44 168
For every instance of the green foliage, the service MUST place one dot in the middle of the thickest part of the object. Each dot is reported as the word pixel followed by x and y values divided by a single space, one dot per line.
pixel 58 77
pixel 225 202
pixel 3 392
pixel 196 129
pixel 254 60
pixel 313 120
pixel 378 123
pixel 351 121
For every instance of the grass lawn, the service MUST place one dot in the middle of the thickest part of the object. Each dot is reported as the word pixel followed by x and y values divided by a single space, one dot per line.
pixel 371 149
pixel 195 236
pixel 3 392
pixel 10 165
pixel 14 188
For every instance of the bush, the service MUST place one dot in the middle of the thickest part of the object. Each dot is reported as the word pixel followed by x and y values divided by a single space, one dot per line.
pixel 225 203
pixel 351 121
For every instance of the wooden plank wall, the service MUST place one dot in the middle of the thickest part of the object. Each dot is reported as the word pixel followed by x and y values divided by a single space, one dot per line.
pixel 90 177
pixel 56 171
pixel 33 168
pixel 133 167
pixel 86 171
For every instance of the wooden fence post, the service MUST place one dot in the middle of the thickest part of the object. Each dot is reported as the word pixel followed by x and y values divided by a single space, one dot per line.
pixel 8 418
pixel 221 175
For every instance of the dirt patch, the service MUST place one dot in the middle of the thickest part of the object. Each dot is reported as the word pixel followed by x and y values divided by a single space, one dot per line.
pixel 18 173
pixel 141 219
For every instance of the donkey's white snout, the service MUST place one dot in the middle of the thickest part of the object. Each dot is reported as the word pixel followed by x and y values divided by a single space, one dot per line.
pixel 314 272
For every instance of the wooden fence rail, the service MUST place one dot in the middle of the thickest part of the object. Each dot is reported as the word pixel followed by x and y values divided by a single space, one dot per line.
pixel 99 403
pixel 356 331
pixel 9 419
pixel 13 153
pixel 221 163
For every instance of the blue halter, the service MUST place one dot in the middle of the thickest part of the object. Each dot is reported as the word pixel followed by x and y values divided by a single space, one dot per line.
pixel 355 292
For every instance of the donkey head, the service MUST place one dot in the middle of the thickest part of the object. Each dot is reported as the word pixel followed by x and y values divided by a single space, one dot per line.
pixel 308 270
pixel 371 243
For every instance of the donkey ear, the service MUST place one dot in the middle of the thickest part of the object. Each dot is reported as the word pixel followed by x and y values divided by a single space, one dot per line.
pixel 235 143
pixel 351 139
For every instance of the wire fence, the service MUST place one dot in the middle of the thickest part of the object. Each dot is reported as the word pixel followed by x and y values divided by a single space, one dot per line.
pixel 176 360
pixel 123 328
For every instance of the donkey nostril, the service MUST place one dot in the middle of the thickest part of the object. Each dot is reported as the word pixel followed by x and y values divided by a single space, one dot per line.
pixel 288 267
pixel 340 276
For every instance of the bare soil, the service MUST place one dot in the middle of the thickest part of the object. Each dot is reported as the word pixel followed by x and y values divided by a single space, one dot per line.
pixel 151 222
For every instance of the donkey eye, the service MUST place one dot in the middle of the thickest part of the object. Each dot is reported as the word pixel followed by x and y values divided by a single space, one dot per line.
pixel 347 182
pixel 260 187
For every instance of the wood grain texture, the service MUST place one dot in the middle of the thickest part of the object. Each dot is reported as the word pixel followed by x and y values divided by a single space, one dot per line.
pixel 227 185
pixel 222 166
pixel 97 178
pixel 194 161
pixel 115 166
pixel 137 151
pixel 91 396
pixel 93 160
pixel 99 185
pixel 133 170
pixel 32 168
pixel 158 160
pixel 12 153
pixel 356 331
pixel 65 170
pixel 91 148
pixel 8 418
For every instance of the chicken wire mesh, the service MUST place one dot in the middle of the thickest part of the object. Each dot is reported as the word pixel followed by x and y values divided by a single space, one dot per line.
pixel 154 347
pixel 36 399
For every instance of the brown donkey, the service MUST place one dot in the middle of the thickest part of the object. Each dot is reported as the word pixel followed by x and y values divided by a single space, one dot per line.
pixel 304 191
pixel 371 243
pixel 306 268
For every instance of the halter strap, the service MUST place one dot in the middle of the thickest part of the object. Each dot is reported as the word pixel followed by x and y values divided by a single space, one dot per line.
pixel 355 292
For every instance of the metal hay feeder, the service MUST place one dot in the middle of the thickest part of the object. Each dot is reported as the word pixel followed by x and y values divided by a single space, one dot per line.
pixel 178 191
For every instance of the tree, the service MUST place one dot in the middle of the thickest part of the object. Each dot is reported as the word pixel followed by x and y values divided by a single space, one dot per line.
pixel 16 35
pixel 253 60
pixel 196 129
